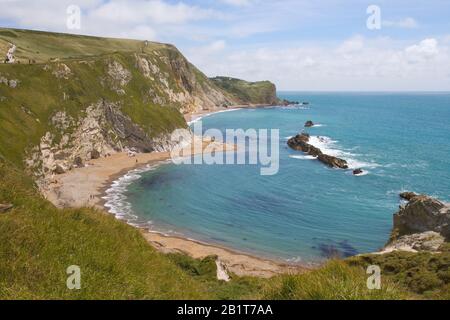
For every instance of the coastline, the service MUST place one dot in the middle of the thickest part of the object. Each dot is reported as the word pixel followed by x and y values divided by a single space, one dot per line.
pixel 87 186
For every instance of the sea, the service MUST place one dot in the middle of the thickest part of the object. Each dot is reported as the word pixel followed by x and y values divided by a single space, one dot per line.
pixel 306 212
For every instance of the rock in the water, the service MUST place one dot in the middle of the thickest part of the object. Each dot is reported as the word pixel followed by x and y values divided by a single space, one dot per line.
pixel 357 171
pixel 421 214
pixel 333 161
pixel 95 154
pixel 408 195
pixel 309 124
pixel 286 103
pixel 300 143
pixel 4 207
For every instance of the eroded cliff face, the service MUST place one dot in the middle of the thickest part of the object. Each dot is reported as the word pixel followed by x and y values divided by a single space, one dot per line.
pixel 102 130
pixel 176 81
pixel 89 108
pixel 95 96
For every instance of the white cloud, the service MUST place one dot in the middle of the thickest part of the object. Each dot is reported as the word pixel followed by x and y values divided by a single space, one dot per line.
pixel 238 3
pixel 407 23
pixel 355 64
pixel 119 18
pixel 151 12
pixel 426 49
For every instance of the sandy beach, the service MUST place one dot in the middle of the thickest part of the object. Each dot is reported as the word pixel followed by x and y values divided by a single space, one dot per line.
pixel 85 187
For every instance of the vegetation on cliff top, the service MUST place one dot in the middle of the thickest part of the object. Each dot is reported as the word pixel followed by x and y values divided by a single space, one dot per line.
pixel 261 92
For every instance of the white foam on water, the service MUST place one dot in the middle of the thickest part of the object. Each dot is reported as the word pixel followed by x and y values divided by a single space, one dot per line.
pixel 307 157
pixel 294 107
pixel 116 200
pixel 210 114
pixel 330 147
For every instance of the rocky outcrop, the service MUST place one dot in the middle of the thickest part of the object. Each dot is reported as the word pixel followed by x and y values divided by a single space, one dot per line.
pixel 62 71
pixel 286 103
pixel 103 130
pixel 12 83
pixel 423 224
pixel 300 143
pixel 118 76
pixel 422 213
pixel 10 54
pixel 426 241
pixel 408 196
pixel 180 83
pixel 332 161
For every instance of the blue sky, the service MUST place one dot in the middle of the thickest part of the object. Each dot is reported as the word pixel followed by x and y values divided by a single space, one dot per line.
pixel 298 44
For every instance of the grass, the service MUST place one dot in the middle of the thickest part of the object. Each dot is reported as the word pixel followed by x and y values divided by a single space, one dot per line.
pixel 205 271
pixel 43 46
pixel 424 274
pixel 262 92
pixel 334 281
pixel 38 242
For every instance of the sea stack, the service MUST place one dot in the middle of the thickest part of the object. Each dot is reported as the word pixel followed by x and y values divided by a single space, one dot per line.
pixel 300 143
pixel 309 124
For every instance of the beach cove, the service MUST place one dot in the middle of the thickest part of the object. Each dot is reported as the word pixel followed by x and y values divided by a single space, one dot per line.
pixel 88 187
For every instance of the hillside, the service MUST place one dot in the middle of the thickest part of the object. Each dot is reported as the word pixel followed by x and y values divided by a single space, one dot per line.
pixel 262 92
pixel 69 98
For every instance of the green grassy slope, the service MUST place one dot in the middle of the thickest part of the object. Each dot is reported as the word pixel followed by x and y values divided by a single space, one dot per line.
pixel 38 242
pixel 25 111
pixel 43 46
pixel 262 92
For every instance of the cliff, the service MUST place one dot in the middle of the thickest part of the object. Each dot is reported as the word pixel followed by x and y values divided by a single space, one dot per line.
pixel 253 93
pixel 68 98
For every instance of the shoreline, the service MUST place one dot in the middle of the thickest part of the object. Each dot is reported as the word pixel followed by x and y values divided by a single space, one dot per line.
pixel 87 187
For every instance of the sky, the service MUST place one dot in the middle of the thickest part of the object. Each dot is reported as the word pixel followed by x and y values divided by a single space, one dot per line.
pixel 329 45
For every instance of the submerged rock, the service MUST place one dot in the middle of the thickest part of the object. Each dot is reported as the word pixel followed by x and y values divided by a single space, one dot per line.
pixel 4 207
pixel 357 171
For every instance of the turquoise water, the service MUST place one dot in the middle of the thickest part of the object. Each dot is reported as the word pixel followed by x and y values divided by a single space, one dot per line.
pixel 307 211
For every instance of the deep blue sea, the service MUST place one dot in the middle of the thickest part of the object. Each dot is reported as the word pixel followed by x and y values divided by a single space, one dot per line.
pixel 306 212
